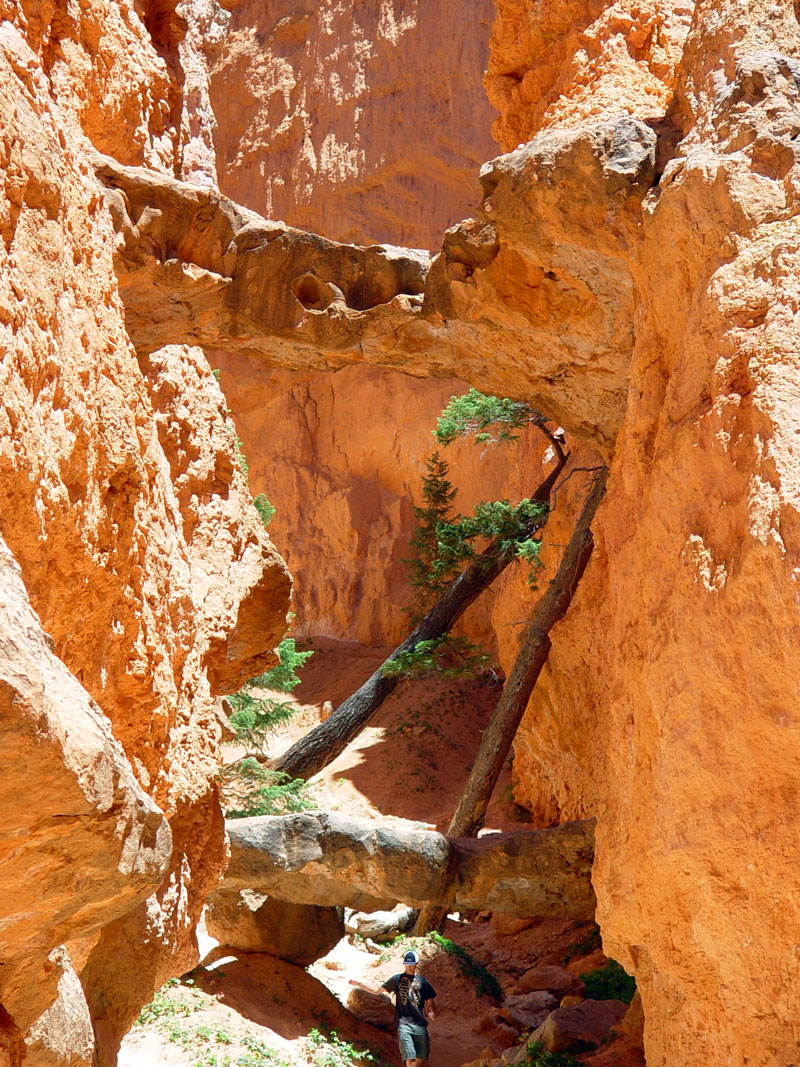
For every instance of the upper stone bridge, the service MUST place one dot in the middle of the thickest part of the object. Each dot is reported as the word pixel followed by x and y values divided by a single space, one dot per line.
pixel 533 298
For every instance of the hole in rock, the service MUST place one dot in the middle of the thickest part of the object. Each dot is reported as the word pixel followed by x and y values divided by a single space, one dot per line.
pixel 312 293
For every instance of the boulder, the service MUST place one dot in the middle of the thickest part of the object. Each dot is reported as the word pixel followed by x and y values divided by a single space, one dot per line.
pixel 554 979
pixel 371 1008
pixel 254 922
pixel 586 1023
pixel 507 925
pixel 528 873
pixel 497 1027
pixel 381 926
pixel 331 859
pixel 528 1010
pixel 570 1001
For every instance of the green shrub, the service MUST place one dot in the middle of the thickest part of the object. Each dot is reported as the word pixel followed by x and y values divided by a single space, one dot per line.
pixel 330 1051
pixel 611 982
pixel 248 787
pixel 538 1056
pixel 264 508
pixel 484 980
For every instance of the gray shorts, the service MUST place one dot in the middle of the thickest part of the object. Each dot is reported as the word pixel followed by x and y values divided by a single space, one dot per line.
pixel 413 1040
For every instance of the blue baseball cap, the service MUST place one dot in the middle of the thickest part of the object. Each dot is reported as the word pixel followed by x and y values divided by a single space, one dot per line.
pixel 411 959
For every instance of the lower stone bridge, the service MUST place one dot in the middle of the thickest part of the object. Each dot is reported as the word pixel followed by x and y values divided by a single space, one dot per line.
pixel 328 859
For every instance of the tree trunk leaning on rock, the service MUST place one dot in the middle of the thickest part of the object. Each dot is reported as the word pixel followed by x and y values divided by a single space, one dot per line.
pixel 498 736
pixel 322 745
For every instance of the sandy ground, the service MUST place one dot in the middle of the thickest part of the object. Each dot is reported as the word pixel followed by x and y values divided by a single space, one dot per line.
pixel 249 1010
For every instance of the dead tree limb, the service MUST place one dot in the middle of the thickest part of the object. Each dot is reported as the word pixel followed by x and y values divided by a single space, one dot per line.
pixel 322 745
pixel 498 736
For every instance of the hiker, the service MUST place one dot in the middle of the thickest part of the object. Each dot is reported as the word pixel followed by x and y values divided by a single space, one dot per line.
pixel 413 1007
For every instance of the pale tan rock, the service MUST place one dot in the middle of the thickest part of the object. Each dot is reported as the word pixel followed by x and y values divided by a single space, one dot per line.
pixel 371 1008
pixel 321 121
pixel 254 922
pixel 330 859
pixel 62 1034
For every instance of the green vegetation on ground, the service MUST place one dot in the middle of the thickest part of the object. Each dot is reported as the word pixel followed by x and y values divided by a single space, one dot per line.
pixel 538 1056
pixel 480 974
pixel 217 1046
pixel 611 982
pixel 248 787
pixel 329 1050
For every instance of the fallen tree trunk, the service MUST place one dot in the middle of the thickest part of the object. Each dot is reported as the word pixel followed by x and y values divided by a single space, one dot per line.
pixel 498 736
pixel 322 745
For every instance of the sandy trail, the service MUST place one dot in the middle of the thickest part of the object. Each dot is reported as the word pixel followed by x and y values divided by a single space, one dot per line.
pixel 411 762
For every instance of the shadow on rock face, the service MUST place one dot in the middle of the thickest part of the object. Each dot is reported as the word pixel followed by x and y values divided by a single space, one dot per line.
pixel 282 996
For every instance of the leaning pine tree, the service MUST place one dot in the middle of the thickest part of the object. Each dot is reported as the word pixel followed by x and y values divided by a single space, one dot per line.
pixel 454 571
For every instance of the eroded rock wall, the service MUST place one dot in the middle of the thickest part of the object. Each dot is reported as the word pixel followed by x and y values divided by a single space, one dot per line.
pixel 558 65
pixel 341 456
pixel 322 121
pixel 135 541
pixel 667 708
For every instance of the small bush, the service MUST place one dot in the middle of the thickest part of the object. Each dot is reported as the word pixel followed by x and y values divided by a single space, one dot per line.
pixel 538 1056
pixel 485 981
pixel 164 1007
pixel 251 789
pixel 264 508
pixel 611 982
pixel 330 1051
pixel 260 1055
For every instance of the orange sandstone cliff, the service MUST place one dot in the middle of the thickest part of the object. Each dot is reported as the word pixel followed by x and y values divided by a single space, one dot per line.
pixel 138 580
pixel 635 277
pixel 667 707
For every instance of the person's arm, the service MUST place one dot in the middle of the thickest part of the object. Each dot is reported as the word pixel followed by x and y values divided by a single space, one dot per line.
pixel 427 1005
pixel 369 989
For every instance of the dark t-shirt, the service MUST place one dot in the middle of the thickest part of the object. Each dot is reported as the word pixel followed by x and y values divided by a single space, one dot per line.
pixel 410 993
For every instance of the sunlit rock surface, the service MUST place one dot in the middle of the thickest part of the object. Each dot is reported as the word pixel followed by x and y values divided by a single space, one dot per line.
pixel 323 121
pixel 136 541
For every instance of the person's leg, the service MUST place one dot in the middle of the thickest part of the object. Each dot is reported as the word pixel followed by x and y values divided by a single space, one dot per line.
pixel 408 1051
pixel 422 1046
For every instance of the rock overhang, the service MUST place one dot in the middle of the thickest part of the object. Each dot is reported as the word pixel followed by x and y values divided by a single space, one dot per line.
pixel 533 298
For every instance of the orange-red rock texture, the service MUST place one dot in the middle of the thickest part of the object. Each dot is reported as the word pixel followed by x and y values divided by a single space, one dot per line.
pixel 364 121
pixel 668 708
pixel 558 65
pixel 637 279
pixel 138 580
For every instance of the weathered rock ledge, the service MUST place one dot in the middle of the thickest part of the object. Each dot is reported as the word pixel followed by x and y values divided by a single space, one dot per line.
pixel 329 859
pixel 543 265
